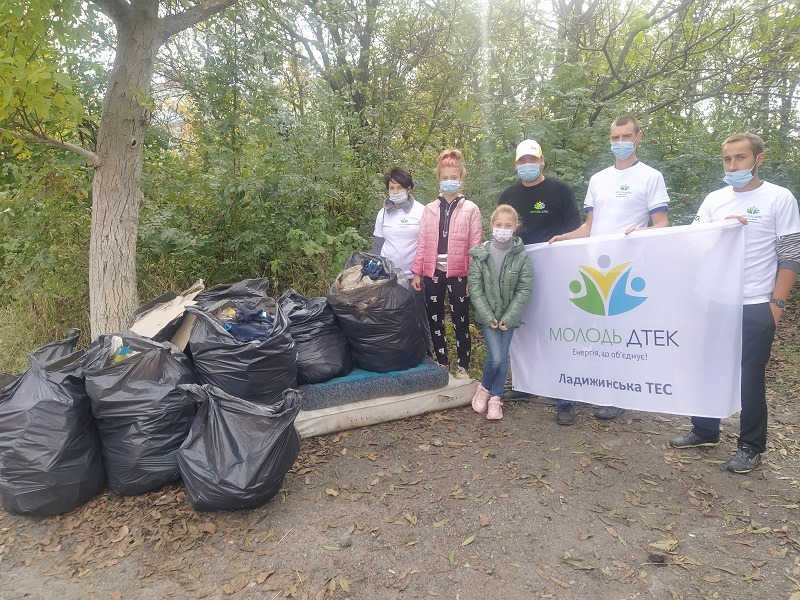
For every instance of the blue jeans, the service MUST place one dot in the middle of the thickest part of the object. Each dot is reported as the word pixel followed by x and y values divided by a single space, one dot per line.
pixel 495 368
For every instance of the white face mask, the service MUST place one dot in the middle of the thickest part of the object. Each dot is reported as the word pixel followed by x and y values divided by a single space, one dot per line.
pixel 501 234
pixel 398 198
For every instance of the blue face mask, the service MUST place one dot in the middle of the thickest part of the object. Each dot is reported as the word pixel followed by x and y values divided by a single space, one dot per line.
pixel 529 171
pixel 449 186
pixel 739 179
pixel 622 150
pixel 398 198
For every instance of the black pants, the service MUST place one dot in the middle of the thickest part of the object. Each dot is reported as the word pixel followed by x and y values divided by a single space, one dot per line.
pixel 758 331
pixel 436 288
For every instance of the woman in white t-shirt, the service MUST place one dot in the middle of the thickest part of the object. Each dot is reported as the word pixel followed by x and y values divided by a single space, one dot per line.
pixel 397 223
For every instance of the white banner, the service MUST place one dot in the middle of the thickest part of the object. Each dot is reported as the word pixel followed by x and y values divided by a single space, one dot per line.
pixel 650 321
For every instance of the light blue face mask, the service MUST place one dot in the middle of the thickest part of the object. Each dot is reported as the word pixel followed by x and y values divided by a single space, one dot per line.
pixel 529 171
pixel 739 179
pixel 449 186
pixel 398 198
pixel 622 150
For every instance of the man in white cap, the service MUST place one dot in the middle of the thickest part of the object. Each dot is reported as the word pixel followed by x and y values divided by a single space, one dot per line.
pixel 546 207
pixel 622 198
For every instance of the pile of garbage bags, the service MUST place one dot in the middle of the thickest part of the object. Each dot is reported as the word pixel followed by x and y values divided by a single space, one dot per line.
pixel 200 389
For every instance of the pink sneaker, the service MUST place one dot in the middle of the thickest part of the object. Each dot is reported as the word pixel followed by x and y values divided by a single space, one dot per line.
pixel 480 399
pixel 495 412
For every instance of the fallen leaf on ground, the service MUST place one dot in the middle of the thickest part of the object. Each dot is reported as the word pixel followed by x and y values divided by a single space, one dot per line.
pixel 668 545
pixel 121 534
pixel 754 576
pixel 235 586
pixel 576 562
pixel 616 535
pixel 262 577
pixel 208 527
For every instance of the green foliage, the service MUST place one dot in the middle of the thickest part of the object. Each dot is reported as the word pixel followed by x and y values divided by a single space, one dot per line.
pixel 44 233
pixel 36 92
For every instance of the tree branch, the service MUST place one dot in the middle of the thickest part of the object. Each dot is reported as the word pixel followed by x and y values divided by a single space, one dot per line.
pixel 173 24
pixel 116 10
pixel 35 138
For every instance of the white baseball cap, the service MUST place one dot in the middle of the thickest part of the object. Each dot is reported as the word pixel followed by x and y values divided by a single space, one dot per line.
pixel 531 147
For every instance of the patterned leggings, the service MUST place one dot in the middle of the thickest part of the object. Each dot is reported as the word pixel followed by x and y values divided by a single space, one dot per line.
pixel 456 287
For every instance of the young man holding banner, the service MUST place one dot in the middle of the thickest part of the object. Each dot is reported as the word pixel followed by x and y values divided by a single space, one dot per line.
pixel 772 246
pixel 622 198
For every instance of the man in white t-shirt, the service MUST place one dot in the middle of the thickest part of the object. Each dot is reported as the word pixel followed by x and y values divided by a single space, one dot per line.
pixel 622 198
pixel 397 223
pixel 771 263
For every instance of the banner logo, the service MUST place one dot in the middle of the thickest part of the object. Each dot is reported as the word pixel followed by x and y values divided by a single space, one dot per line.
pixel 605 290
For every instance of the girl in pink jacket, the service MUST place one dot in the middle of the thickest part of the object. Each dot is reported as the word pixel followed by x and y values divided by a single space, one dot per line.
pixel 450 227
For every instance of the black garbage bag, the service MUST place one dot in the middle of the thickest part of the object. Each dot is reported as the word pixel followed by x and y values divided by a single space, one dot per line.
pixel 247 289
pixel 238 452
pixel 382 321
pixel 322 351
pixel 142 415
pixel 50 459
pixel 258 370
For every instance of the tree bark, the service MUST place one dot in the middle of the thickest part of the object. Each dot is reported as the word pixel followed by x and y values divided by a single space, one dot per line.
pixel 116 191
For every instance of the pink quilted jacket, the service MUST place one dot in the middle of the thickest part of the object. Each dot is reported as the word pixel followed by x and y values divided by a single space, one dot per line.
pixel 464 234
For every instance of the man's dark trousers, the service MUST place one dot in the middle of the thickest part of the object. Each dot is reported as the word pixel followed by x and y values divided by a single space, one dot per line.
pixel 758 331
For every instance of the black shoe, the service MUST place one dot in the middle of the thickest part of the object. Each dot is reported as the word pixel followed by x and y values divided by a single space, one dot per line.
pixel 746 460
pixel 608 412
pixel 566 414
pixel 692 440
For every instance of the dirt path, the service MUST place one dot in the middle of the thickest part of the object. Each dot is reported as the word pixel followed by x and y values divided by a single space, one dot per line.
pixel 450 506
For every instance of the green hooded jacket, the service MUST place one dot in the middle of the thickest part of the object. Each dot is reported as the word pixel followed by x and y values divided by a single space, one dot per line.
pixel 506 301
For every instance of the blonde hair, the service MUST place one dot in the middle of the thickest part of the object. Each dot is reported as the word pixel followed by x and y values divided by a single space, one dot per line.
pixel 505 209
pixel 756 143
pixel 451 158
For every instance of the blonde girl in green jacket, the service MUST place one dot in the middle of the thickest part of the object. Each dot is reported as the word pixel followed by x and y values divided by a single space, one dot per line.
pixel 500 281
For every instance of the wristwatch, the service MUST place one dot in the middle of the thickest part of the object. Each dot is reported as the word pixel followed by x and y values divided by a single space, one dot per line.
pixel 778 302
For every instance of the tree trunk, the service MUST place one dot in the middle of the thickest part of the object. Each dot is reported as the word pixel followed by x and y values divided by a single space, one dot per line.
pixel 116 192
